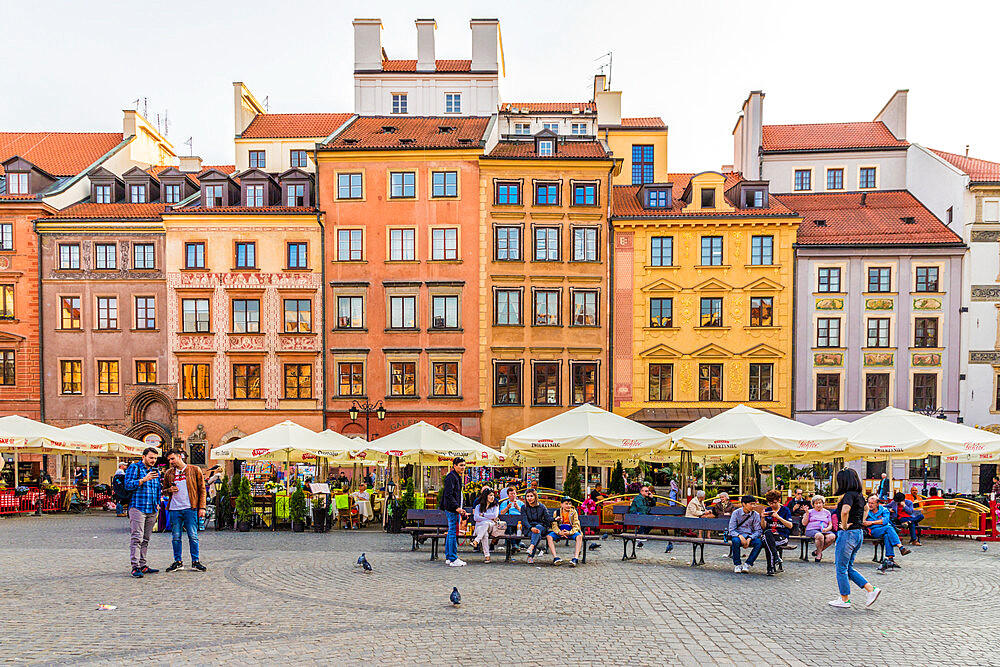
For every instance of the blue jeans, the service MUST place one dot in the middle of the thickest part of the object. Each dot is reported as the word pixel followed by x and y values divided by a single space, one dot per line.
pixel 451 539
pixel 846 548
pixel 914 524
pixel 119 508
pixel 186 520
pixel 543 530
pixel 888 536
pixel 755 545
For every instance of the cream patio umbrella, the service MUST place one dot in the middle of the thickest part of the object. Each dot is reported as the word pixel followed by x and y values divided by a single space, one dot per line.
pixel 285 442
pixel 27 436
pixel 832 425
pixel 116 443
pixel 893 431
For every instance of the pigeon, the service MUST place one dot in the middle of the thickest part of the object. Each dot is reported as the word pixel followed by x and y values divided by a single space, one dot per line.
pixel 365 565
pixel 985 547
pixel 456 597
pixel 361 560
pixel 604 536
pixel 670 547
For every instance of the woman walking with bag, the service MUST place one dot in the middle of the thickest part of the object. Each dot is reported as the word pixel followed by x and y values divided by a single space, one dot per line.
pixel 851 511
pixel 486 515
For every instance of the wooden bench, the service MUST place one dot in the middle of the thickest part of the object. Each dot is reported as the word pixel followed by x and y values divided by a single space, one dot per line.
pixel 655 510
pixel 667 522
pixel 805 546
pixel 423 529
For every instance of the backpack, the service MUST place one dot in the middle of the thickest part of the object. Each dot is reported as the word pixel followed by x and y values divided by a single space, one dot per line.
pixel 118 490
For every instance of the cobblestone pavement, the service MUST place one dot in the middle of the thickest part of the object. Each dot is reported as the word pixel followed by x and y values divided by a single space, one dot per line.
pixel 270 597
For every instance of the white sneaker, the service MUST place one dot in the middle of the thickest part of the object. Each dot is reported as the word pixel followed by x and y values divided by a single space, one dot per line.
pixel 456 563
pixel 738 569
pixel 746 567
pixel 873 596
pixel 840 604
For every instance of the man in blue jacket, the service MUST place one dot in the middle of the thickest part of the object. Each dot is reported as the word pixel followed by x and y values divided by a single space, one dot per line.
pixel 143 482
pixel 451 503
pixel 744 531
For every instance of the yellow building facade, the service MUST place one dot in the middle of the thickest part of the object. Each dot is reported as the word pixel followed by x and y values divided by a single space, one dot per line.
pixel 703 270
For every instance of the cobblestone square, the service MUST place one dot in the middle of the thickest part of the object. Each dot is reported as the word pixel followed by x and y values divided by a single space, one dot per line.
pixel 281 597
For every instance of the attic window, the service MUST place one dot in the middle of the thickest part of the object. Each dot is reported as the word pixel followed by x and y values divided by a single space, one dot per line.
pixel 909 220
pixel 405 141
pixel 350 142
pixel 388 129
pixel 657 198
pixel 708 198
pixel 445 129
pixel 465 141
pixel 545 147
pixel 820 223
pixel 17 183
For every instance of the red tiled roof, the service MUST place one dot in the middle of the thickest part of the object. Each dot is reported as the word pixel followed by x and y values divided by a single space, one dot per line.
pixel 118 211
pixel 440 65
pixel 411 132
pixel 878 222
pixel 829 136
pixel 979 171
pixel 645 121
pixel 625 202
pixel 58 153
pixel 277 125
pixel 245 209
pixel 549 107
pixel 570 149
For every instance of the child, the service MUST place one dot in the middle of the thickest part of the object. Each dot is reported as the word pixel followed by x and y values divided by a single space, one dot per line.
pixel 566 525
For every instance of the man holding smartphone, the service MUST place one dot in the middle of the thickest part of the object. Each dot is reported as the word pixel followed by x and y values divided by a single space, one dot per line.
pixel 142 481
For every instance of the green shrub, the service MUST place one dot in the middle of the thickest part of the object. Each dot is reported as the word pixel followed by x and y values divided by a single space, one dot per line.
pixel 244 501
pixel 617 484
pixel 409 498
pixel 571 486
pixel 297 504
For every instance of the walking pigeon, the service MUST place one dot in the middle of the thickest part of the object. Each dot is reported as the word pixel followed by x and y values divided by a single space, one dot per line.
pixel 365 565
pixel 361 560
pixel 670 547
pixel 456 597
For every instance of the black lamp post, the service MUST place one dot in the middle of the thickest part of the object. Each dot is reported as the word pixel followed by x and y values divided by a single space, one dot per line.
pixel 368 409
pixel 937 413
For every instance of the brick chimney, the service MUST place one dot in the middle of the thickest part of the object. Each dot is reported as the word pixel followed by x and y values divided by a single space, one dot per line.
pixel 425 45
pixel 367 45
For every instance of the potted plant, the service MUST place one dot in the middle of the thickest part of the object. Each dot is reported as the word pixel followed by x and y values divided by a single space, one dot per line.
pixel 50 490
pixel 244 506
pixel 21 491
pixel 571 485
pixel 223 511
pixel 102 489
pixel 617 484
pixel 297 509
pixel 319 514
pixel 409 498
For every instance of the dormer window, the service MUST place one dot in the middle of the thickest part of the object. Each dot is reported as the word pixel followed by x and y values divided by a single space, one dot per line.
pixel 753 199
pixel 17 184
pixel 213 196
pixel 255 196
pixel 295 194
pixel 708 198
pixel 171 194
pixel 659 198
pixel 546 147
pixel 102 194
pixel 137 194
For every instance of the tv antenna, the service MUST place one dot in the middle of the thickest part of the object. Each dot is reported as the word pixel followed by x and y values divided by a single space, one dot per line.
pixel 190 144
pixel 267 104
pixel 145 105
pixel 607 64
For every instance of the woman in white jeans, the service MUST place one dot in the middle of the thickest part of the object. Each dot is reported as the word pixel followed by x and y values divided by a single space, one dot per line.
pixel 486 513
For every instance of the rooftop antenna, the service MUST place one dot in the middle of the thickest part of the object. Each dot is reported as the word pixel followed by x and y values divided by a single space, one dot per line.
pixel 166 122
pixel 966 150
pixel 190 144
pixel 145 105
pixel 267 104
pixel 610 58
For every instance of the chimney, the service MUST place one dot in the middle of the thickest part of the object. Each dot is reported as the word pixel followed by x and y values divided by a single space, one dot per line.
pixel 190 164
pixel 600 84
pixel 485 33
pixel 245 107
pixel 753 124
pixel 864 198
pixel 367 45
pixel 893 114
pixel 425 45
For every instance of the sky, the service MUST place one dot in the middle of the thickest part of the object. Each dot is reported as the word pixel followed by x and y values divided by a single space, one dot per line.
pixel 691 63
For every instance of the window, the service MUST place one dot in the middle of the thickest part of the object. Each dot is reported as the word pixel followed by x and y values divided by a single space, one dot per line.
pixel 866 177
pixel 298 315
pixel 546 308
pixel 298 380
pixel 642 164
pixel 107 312
pixel 7 302
pixel 545 384
pixel 70 312
pixel 453 103
pixel 545 147
pixel 509 193
pixel 296 255
pixel 403 185
pixel 584 308
pixel 102 194
pixel 827 392
pixel 761 311
pixel 71 373
pixel 445 375
pixel 925 332
pixel 399 103
pixel 402 378
pixel 584 194
pixel 661 382
pixel 584 244
pixel 17 184
pixel 213 196
pixel 709 382
pixel 444 312
pixel 507 384
pixel 445 184
pixel 349 186
pixel 299 158
pixel 762 250
pixel 255 196
pixel 508 244
pixel 708 198
pixel 829 280
pixel 137 194
pixel 522 128
pixel 876 391
pixel 69 256
pixel 925 392
pixel 246 255
pixel 916 468
pixel 403 312
pixel 554 127
pixel 508 307
pixel 578 128
pixel 834 179
pixel 145 312
pixel 145 372
pixel 662 251
pixel 402 245
pixel 6 236
pixel 927 279
pixel 711 312
pixel 246 381
pixel 8 369
pixel 803 179
pixel 878 332
pixel 350 378
pixel 661 313
pixel 171 194
pixel 107 377
pixel 195 380
pixel 711 251
pixel 659 198
pixel 584 383
pixel 879 279
pixel 257 160
pixel 246 316
pixel 194 255
pixel 350 311
pixel 546 244
pixel 753 198
pixel 546 194
pixel 349 245
pixel 194 314
pixel 761 382
pixel 828 332
pixel 444 244
pixel 295 194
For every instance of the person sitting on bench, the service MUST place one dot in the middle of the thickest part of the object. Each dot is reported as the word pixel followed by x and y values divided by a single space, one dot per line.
pixel 641 504
pixel 722 506
pixel 696 506
pixel 511 505
pixel 537 519
pixel 486 514
pixel 799 505
pixel 744 532
pixel 566 525
pixel 777 522
pixel 902 511
pixel 880 527
pixel 819 526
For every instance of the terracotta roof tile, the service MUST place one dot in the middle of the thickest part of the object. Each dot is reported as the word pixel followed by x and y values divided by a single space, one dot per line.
pixel 645 121
pixel 118 211
pixel 625 202
pixel 878 222
pixel 829 136
pixel 440 65
pixel 58 153
pixel 244 209
pixel 276 125
pixel 411 132
pixel 549 107
pixel 569 149
pixel 979 171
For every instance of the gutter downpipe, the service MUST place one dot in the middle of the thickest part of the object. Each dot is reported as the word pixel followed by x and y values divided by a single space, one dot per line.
pixel 322 281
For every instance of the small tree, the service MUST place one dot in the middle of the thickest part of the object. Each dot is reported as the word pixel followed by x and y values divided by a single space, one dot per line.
pixel 409 498
pixel 234 485
pixel 571 486
pixel 297 504
pixel 244 501
pixel 617 484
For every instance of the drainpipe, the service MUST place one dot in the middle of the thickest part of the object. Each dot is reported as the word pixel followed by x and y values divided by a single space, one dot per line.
pixel 795 311
pixel 41 336
pixel 611 295
pixel 322 298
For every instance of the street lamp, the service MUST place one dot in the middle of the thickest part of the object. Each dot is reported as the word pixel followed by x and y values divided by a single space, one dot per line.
pixel 937 413
pixel 368 409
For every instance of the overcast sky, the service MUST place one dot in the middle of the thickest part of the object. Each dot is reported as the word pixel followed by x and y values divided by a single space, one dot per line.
pixel 73 66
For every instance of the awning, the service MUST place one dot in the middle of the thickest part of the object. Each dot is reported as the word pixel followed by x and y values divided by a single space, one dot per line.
pixel 673 417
